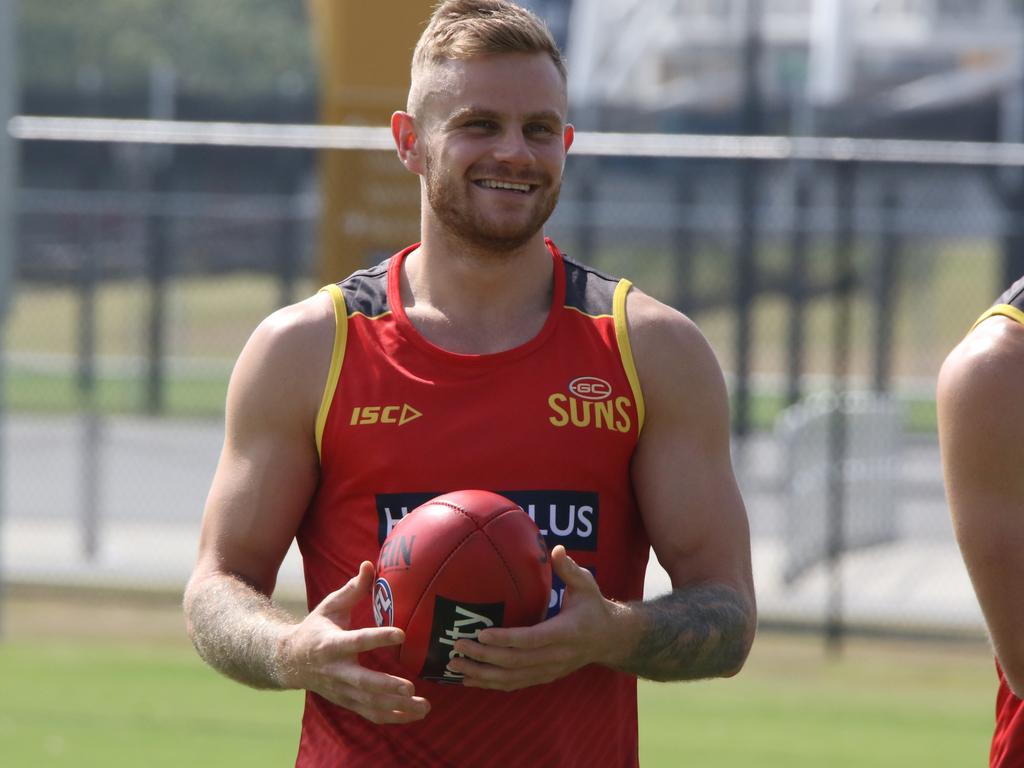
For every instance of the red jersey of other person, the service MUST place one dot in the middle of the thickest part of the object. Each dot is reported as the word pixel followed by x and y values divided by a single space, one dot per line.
pixel 1008 739
pixel 551 424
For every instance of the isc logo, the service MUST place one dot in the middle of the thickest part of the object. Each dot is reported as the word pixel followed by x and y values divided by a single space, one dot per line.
pixel 383 414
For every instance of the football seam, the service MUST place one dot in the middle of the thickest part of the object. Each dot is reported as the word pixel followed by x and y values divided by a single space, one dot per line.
pixel 450 555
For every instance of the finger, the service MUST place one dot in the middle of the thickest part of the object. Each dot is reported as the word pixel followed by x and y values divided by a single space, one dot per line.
pixel 477 675
pixel 569 571
pixel 384 716
pixel 357 678
pixel 349 642
pixel 537 636
pixel 514 658
pixel 351 593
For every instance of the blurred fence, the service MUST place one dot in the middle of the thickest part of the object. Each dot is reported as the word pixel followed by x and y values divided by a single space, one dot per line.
pixel 817 268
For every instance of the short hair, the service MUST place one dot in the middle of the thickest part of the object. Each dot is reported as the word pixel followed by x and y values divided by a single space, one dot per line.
pixel 463 29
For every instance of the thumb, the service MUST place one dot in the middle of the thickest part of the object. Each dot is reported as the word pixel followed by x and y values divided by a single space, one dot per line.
pixel 341 601
pixel 568 571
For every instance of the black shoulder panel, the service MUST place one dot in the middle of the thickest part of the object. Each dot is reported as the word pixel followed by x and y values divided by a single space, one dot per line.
pixel 366 291
pixel 1014 295
pixel 586 289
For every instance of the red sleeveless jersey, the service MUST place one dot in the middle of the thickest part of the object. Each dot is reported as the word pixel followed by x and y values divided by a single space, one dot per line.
pixel 1008 739
pixel 551 424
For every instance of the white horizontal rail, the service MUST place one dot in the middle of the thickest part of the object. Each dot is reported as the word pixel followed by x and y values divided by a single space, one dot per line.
pixel 692 146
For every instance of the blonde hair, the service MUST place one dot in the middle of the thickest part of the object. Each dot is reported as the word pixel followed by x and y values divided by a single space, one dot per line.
pixel 463 29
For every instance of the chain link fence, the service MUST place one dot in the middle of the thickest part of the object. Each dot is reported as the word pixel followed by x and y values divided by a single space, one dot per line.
pixel 831 287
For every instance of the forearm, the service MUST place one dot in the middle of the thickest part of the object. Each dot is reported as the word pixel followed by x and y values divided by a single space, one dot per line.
pixel 692 633
pixel 237 630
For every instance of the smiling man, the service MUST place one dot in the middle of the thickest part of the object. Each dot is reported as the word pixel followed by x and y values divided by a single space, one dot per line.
pixel 480 357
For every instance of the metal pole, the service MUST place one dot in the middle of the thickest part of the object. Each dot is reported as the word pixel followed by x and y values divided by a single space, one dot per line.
pixel 837 434
pixel 886 290
pixel 746 248
pixel 8 174
pixel 797 288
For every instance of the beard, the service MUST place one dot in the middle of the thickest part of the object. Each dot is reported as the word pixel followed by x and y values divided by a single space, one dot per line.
pixel 451 205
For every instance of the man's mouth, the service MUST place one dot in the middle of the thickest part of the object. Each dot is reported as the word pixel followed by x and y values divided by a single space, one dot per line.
pixel 510 186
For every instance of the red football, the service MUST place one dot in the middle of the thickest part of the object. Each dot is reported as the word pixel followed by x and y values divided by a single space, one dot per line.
pixel 459 563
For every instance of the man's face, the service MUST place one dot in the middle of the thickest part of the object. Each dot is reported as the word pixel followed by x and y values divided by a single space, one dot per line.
pixel 494 142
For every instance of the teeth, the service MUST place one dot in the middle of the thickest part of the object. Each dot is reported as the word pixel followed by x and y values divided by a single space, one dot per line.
pixel 491 184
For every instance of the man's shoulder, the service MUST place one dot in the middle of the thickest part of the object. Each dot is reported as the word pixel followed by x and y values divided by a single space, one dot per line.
pixel 987 365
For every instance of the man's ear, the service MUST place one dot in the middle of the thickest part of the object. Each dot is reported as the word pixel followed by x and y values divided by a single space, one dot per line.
pixel 568 134
pixel 403 129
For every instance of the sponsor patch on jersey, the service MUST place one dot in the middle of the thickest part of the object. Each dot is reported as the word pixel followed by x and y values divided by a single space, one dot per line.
pixel 455 620
pixel 383 604
pixel 589 404
pixel 569 518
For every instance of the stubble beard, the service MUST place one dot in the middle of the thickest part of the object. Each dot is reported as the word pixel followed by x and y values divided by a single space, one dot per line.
pixel 456 214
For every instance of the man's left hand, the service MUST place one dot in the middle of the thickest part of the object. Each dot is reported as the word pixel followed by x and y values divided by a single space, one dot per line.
pixel 585 631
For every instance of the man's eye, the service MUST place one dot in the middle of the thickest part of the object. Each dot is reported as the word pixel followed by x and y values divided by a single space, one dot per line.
pixel 539 128
pixel 484 124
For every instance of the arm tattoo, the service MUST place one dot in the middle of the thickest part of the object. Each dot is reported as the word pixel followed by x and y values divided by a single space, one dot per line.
pixel 692 633
pixel 235 629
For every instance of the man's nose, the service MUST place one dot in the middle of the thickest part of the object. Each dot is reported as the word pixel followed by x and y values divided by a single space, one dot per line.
pixel 512 147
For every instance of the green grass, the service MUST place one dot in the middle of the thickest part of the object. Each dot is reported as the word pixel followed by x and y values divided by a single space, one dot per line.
pixel 31 391
pixel 108 706
pixel 880 705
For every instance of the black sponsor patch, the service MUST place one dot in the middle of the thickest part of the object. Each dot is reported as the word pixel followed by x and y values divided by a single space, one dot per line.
pixel 392 507
pixel 569 518
pixel 455 620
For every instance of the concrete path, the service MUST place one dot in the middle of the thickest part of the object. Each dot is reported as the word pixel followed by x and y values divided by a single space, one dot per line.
pixel 143 483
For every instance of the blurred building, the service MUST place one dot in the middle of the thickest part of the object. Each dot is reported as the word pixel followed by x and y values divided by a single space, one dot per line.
pixel 914 68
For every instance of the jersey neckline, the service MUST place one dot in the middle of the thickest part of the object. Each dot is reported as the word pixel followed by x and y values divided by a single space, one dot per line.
pixel 409 330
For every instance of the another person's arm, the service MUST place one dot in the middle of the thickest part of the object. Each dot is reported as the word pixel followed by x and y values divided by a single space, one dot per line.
pixel 265 479
pixel 694 515
pixel 981 432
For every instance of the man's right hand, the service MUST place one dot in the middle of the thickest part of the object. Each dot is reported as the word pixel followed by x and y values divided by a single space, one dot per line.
pixel 320 654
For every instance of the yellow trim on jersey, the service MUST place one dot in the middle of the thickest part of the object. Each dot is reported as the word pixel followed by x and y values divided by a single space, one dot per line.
pixel 1006 310
pixel 625 349
pixel 337 357
pixel 587 314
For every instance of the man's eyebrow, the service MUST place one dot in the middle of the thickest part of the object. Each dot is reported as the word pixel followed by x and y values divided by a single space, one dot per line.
pixel 491 114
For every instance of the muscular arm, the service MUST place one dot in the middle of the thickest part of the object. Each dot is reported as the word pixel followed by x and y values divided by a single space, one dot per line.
pixel 263 482
pixel 692 510
pixel 691 506
pixel 265 479
pixel 981 428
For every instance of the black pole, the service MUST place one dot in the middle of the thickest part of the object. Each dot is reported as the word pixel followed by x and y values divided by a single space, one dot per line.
pixel 845 175
pixel 8 175
pixel 797 288
pixel 746 247
pixel 683 242
pixel 157 268
pixel 886 290
pixel 88 280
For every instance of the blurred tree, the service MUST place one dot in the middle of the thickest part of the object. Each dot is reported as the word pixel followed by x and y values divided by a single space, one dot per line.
pixel 234 48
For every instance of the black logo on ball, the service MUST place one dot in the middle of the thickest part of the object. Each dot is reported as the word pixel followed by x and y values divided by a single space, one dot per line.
pixel 455 620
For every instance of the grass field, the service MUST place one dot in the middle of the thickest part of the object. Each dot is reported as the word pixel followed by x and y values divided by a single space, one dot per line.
pixel 111 683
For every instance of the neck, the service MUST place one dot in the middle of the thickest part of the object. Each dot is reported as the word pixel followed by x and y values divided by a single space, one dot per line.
pixel 472 301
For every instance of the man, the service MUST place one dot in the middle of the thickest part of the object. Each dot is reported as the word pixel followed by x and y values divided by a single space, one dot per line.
pixel 459 363
pixel 981 422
